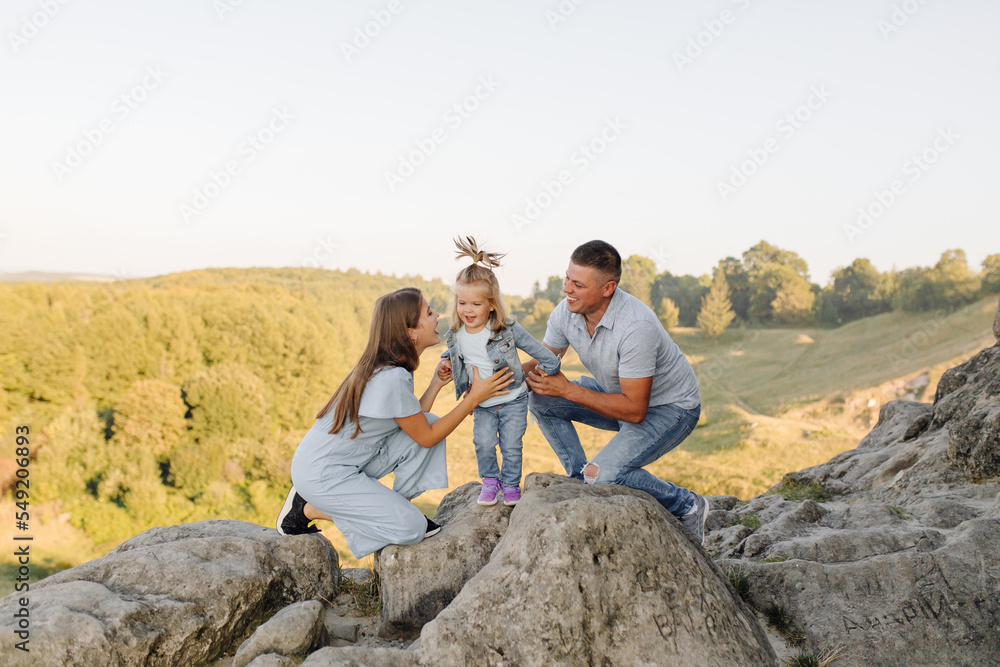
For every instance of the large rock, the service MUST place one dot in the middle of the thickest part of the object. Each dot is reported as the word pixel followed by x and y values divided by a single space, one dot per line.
pixel 894 557
pixel 996 324
pixel 595 575
pixel 968 403
pixel 420 580
pixel 295 631
pixel 171 596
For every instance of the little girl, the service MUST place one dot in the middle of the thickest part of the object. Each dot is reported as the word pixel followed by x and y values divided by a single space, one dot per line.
pixel 482 336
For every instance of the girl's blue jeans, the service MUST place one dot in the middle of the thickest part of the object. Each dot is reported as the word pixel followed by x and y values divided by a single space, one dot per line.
pixel 502 424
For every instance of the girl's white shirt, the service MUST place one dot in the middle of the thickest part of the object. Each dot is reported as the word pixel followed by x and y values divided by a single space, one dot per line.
pixel 473 348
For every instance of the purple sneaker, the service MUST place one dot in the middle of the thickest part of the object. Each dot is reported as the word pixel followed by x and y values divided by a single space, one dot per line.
pixel 511 494
pixel 488 496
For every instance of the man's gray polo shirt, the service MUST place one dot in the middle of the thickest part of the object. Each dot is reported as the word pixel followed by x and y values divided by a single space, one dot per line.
pixel 629 342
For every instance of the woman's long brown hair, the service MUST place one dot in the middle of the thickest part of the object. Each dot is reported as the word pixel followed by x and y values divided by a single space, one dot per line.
pixel 388 344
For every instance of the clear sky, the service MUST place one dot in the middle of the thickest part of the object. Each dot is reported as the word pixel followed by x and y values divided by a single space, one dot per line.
pixel 141 138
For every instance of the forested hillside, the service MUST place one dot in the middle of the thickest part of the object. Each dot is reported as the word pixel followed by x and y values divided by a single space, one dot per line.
pixel 180 397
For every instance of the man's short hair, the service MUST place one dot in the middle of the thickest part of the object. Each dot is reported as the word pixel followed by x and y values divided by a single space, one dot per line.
pixel 600 256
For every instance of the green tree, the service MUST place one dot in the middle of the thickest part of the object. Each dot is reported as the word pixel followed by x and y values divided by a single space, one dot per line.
pixel 150 417
pixel 739 286
pixel 716 310
pixel 638 274
pixel 685 291
pixel 779 286
pixel 793 304
pixel 912 293
pixel 824 309
pixel 669 314
pixel 856 291
pixel 990 275
pixel 228 401
pixel 948 285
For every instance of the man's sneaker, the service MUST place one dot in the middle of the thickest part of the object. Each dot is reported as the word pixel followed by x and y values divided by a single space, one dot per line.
pixel 291 519
pixel 696 517
pixel 491 487
pixel 511 494
pixel 432 529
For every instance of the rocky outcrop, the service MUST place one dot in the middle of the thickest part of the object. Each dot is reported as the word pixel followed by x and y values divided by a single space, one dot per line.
pixel 996 323
pixel 171 596
pixel 595 575
pixel 968 404
pixel 419 581
pixel 888 550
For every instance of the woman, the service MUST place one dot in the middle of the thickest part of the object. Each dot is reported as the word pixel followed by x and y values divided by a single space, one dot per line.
pixel 373 425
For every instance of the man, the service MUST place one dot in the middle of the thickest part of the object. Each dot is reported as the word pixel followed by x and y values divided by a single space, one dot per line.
pixel 643 387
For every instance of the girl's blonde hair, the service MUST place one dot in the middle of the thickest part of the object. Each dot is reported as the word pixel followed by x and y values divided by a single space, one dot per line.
pixel 480 272
pixel 388 344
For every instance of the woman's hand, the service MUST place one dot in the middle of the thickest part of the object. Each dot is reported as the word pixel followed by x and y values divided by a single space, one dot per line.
pixel 443 372
pixel 494 385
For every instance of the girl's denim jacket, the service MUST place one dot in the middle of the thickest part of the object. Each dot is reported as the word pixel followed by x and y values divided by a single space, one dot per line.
pixel 502 348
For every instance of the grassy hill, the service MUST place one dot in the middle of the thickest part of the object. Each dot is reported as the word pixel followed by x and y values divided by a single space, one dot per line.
pixel 235 362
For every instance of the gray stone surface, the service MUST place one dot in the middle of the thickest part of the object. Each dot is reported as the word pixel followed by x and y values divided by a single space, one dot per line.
pixel 294 631
pixel 169 596
pixel 419 580
pixel 968 404
pixel 358 575
pixel 996 323
pixel 356 656
pixel 342 627
pixel 595 575
pixel 899 564
pixel 271 660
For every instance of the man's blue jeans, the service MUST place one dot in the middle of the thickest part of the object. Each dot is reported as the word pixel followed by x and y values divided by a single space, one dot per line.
pixel 502 424
pixel 622 459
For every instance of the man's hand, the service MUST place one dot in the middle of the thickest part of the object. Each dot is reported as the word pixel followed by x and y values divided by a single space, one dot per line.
pixel 544 384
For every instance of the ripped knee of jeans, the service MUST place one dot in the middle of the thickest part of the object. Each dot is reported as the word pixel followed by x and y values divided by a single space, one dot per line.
pixel 590 472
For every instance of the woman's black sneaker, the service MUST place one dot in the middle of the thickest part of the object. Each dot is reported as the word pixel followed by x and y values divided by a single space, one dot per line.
pixel 432 529
pixel 292 519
